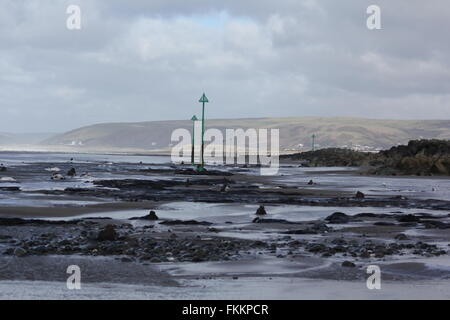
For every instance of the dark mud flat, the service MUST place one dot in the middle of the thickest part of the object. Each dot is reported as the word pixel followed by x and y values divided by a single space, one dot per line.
pixel 175 253
pixel 116 182
pixel 94 270
pixel 342 245
pixel 238 189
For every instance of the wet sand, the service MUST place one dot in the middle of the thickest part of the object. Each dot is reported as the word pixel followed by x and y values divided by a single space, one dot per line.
pixel 224 253
pixel 73 211
pixel 186 252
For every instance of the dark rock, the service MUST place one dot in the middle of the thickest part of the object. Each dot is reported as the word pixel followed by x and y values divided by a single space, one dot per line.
pixel 433 224
pixel 20 252
pixel 185 222
pixel 338 249
pixel 302 231
pixel 11 189
pixel 360 195
pixel 315 228
pixel 338 218
pixel 321 227
pixel 9 251
pixel 64 242
pixel 282 221
pixel 365 254
pixel 384 224
pixel 372 215
pixel 408 224
pixel 126 259
pixel 401 237
pixel 57 176
pixel 348 264
pixel 261 211
pixel 310 182
pixel 429 215
pixel 366 215
pixel 419 157
pixel 72 172
pixel 399 197
pixel 339 241
pixel 151 216
pixel 408 218
pixel 316 247
pixel 107 234
pixel 259 243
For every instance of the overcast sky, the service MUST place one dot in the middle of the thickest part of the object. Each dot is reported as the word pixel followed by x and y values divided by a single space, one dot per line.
pixel 144 60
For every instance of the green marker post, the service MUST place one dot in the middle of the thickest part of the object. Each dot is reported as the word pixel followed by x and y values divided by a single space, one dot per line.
pixel 193 119
pixel 313 142
pixel 203 100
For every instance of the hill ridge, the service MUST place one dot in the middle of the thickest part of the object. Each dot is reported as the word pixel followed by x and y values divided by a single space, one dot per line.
pixel 295 133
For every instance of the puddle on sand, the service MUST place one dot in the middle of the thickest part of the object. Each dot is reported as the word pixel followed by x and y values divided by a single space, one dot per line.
pixel 261 266
pixel 222 213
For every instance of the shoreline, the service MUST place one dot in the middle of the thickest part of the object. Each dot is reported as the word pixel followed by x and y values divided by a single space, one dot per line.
pixel 207 230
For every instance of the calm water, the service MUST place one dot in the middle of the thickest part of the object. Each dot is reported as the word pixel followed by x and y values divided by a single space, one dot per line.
pixel 15 158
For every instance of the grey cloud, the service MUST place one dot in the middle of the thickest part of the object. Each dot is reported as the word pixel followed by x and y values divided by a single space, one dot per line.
pixel 149 60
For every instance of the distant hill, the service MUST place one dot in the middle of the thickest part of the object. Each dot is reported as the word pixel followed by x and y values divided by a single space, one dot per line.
pixel 295 133
pixel 23 138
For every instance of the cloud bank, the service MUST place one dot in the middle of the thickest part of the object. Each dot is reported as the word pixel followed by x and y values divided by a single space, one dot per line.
pixel 151 60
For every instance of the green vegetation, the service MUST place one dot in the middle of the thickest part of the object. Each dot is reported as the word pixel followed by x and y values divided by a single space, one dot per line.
pixel 418 157
pixel 330 157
